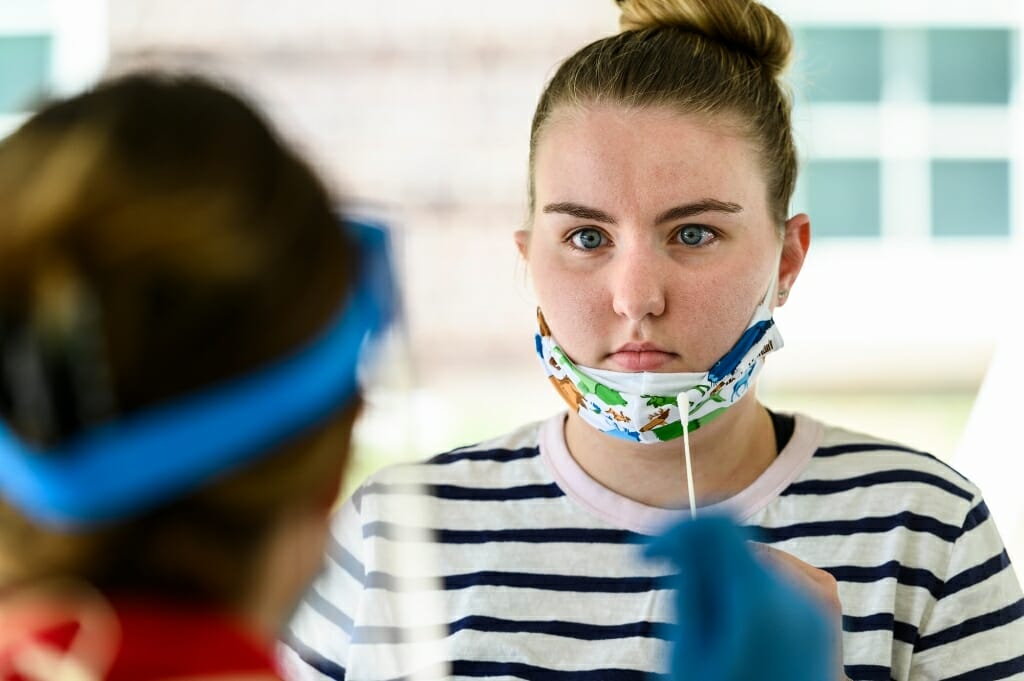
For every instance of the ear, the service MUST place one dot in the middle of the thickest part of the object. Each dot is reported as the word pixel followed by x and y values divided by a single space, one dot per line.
pixel 522 237
pixel 794 250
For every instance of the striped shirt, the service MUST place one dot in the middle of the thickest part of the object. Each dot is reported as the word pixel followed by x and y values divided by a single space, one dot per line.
pixel 505 560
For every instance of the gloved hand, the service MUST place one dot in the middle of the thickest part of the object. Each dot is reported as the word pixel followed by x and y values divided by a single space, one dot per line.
pixel 737 619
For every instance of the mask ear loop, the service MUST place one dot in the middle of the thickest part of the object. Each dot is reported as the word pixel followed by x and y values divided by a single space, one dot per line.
pixel 684 415
pixel 773 287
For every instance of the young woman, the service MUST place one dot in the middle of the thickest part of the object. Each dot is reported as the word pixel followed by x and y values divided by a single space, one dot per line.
pixel 662 166
pixel 181 316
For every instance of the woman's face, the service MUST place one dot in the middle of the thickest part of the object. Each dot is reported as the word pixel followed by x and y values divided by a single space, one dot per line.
pixel 652 241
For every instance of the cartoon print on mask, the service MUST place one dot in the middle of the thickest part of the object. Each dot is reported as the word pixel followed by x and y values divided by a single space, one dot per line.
pixel 659 418
pixel 617 403
pixel 618 416
pixel 568 391
pixel 743 384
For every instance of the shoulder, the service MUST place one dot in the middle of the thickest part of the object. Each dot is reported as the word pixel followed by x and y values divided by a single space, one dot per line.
pixel 860 451
pixel 863 500
pixel 914 550
pixel 852 465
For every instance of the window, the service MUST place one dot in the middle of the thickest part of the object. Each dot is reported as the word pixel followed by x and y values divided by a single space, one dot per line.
pixel 928 107
pixel 843 197
pixel 24 71
pixel 969 66
pixel 840 64
pixel 970 197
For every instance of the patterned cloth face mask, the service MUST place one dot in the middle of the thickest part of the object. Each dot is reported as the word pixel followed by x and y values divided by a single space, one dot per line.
pixel 644 406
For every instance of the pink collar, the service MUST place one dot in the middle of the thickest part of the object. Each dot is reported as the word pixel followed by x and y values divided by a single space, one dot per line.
pixel 632 515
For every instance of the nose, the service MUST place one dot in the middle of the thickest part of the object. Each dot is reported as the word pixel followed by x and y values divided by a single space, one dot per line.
pixel 638 282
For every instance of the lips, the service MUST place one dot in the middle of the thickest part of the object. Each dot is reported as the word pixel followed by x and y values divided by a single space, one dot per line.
pixel 641 357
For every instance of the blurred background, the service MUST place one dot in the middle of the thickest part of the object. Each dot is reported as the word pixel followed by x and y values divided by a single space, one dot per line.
pixel 911 133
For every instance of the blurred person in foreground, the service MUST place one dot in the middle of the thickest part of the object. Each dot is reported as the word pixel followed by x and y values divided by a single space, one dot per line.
pixel 182 314
pixel 659 242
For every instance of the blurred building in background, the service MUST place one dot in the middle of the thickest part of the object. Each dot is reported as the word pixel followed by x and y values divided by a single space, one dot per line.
pixel 47 48
pixel 909 121
pixel 909 118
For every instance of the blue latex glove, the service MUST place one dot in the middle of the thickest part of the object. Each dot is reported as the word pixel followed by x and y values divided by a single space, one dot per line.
pixel 737 620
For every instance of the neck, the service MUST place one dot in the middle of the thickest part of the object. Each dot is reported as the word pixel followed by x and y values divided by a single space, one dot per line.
pixel 291 558
pixel 727 454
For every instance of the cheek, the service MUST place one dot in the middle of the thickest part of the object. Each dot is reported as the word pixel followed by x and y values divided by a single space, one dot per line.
pixel 574 307
pixel 713 321
pixel 704 316
pixel 728 304
pixel 709 311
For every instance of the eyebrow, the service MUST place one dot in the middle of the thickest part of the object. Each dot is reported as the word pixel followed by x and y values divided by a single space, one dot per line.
pixel 680 212
pixel 579 211
pixel 703 206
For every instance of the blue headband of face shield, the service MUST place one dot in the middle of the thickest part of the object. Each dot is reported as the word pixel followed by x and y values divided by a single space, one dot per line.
pixel 120 468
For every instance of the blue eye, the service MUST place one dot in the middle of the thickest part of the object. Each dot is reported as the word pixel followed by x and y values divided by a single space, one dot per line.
pixel 695 235
pixel 587 239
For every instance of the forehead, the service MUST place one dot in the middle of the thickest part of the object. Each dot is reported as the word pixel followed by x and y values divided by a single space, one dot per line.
pixel 602 153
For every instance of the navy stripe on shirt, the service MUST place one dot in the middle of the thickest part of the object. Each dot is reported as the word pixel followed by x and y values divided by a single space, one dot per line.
pixel 576 630
pixel 369 635
pixel 906 576
pixel 499 455
pixel 571 535
pixel 822 487
pixel 977 574
pixel 881 448
pixel 577 535
pixel 480 669
pixel 868 672
pixel 870 525
pixel 329 610
pixel 976 516
pixel 883 621
pixel 344 559
pixel 991 672
pixel 483 669
pixel 974 625
pixel 877 447
pixel 519 580
pixel 460 493
pixel 331 670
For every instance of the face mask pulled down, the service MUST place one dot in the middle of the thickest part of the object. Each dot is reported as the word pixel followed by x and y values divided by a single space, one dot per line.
pixel 644 406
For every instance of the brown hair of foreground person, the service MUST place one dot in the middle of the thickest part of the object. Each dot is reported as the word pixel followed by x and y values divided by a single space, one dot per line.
pixel 157 237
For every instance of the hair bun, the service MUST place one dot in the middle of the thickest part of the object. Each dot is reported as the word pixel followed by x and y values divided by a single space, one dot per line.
pixel 741 25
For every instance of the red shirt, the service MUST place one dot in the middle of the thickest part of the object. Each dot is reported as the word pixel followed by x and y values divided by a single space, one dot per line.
pixel 143 641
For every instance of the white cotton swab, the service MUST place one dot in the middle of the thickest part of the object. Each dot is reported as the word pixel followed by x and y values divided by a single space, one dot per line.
pixel 684 416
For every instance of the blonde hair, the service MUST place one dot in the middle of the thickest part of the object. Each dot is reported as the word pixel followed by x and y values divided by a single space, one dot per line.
pixel 156 237
pixel 705 57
